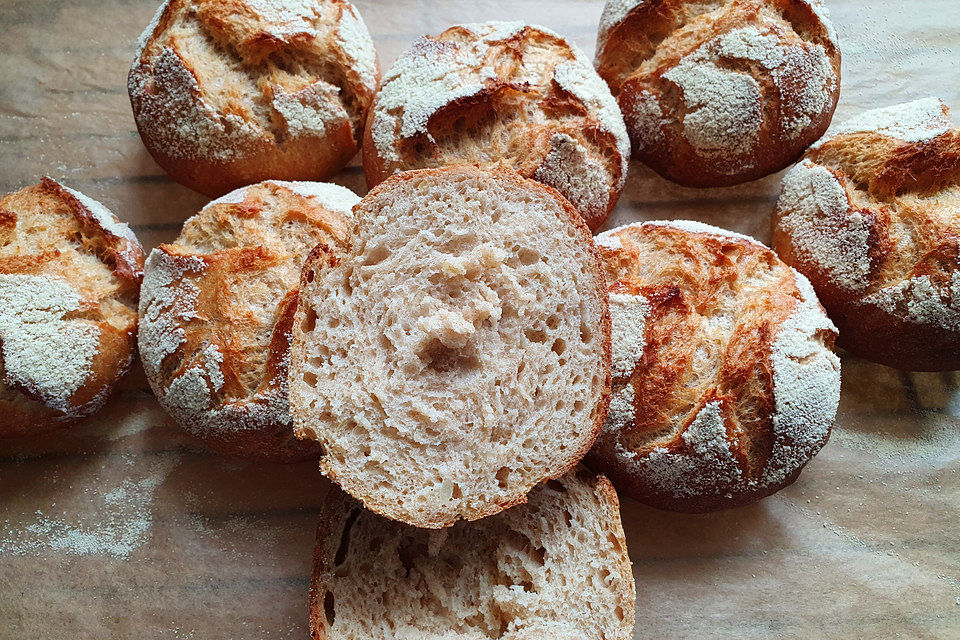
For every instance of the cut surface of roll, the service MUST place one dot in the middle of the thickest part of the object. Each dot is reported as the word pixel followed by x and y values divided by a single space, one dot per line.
pixel 872 216
pixel 70 275
pixel 502 94
pixel 217 308
pixel 556 568
pixel 724 381
pixel 457 353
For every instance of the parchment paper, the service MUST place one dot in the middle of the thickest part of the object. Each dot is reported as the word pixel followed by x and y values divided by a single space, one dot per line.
pixel 124 528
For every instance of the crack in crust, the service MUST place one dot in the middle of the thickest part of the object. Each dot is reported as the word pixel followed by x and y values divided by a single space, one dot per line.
pixel 719 92
pixel 224 91
pixel 70 276
pixel 217 311
pixel 872 217
pixel 502 95
pixel 731 386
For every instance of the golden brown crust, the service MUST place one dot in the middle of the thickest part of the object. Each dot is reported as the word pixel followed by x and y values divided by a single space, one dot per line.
pixel 217 311
pixel 724 92
pixel 226 94
pixel 69 266
pixel 321 258
pixel 870 217
pixel 523 99
pixel 705 326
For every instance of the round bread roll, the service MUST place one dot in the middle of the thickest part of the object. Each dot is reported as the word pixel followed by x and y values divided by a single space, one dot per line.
pixel 458 352
pixel 226 94
pixel 502 94
pixel 217 308
pixel 724 382
pixel 554 569
pixel 69 279
pixel 723 92
pixel 872 217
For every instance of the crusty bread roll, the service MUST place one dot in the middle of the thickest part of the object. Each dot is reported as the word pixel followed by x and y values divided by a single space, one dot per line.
pixel 216 312
pixel 724 382
pixel 721 92
pixel 231 92
pixel 502 94
pixel 69 279
pixel 457 353
pixel 872 217
pixel 554 569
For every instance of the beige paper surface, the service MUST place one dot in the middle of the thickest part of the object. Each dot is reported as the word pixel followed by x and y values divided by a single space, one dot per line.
pixel 124 528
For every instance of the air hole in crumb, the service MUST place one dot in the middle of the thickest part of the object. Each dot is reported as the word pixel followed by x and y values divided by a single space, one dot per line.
pixel 557 486
pixel 443 359
pixel 309 320
pixel 578 405
pixel 503 476
pixel 535 335
pixel 553 322
pixel 586 332
pixel 376 256
pixel 310 275
pixel 528 256
pixel 310 378
pixel 344 545
pixel 559 346
pixel 328 608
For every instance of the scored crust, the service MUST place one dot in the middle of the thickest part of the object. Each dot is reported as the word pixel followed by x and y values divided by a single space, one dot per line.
pixel 70 275
pixel 457 353
pixel 555 568
pixel 226 93
pixel 217 309
pixel 872 217
pixel 720 92
pixel 502 94
pixel 724 382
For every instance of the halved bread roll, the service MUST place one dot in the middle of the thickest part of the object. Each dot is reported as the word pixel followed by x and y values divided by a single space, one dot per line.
pixel 457 353
pixel 724 381
pixel 556 568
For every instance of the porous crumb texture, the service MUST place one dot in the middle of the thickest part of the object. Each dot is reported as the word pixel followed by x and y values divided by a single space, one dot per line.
pixel 872 217
pixel 230 92
pixel 555 568
pixel 724 381
pixel 217 307
pixel 719 92
pixel 502 95
pixel 458 353
pixel 69 279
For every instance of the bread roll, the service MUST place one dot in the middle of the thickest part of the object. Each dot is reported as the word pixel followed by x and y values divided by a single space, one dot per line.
pixel 217 308
pixel 502 94
pixel 457 353
pixel 69 279
pixel 722 92
pixel 724 382
pixel 231 92
pixel 554 569
pixel 872 217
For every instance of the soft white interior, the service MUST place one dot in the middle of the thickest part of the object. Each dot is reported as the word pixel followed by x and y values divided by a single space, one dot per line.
pixel 453 358
pixel 551 569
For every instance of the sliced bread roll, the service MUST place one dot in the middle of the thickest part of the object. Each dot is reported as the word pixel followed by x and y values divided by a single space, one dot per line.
pixel 556 568
pixel 458 352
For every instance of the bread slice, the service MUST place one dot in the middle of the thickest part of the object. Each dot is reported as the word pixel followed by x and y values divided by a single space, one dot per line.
pixel 554 569
pixel 458 353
